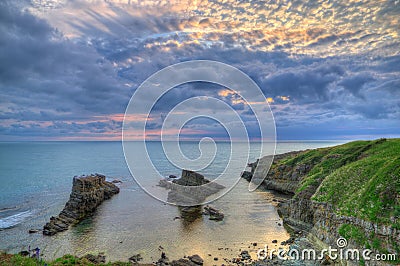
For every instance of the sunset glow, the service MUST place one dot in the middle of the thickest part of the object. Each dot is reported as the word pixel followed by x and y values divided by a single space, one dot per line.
pixel 69 68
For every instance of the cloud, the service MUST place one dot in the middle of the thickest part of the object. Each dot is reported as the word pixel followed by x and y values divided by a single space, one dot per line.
pixel 354 84
pixel 45 77
pixel 68 67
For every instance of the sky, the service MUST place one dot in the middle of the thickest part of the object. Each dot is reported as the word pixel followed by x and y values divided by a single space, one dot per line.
pixel 328 69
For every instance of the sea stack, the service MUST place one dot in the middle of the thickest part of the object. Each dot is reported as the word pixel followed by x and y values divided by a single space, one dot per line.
pixel 191 189
pixel 88 192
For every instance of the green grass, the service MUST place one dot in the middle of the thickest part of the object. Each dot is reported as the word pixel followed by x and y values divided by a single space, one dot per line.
pixel 358 235
pixel 349 231
pixel 359 179
pixel 367 188
pixel 67 260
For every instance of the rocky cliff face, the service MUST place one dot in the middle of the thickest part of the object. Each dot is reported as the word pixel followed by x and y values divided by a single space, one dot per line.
pixel 350 191
pixel 88 192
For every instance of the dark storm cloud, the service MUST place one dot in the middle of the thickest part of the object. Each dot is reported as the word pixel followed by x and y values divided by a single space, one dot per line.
pixel 305 85
pixel 40 67
pixel 354 84
pixel 317 75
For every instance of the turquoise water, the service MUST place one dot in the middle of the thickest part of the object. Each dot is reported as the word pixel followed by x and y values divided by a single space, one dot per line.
pixel 36 179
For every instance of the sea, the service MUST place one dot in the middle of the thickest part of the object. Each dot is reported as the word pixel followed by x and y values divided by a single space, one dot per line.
pixel 36 180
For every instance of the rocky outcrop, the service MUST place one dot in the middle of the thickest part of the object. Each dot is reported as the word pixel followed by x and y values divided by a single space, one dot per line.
pixel 304 175
pixel 282 178
pixel 214 214
pixel 190 189
pixel 88 192
pixel 194 260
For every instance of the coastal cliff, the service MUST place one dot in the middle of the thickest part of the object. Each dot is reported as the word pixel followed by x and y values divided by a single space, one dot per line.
pixel 350 191
pixel 88 192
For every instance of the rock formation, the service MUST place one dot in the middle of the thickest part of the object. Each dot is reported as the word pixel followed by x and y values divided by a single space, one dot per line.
pixel 191 189
pixel 189 192
pixel 214 214
pixel 88 192
pixel 332 188
pixel 194 260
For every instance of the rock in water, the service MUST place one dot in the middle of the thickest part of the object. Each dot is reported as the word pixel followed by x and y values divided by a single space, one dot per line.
pixel 88 192
pixel 191 178
pixel 190 214
pixel 247 175
pixel 196 259
pixel 214 214
pixel 193 189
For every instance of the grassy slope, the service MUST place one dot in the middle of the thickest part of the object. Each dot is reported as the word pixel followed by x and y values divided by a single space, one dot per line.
pixel 359 179
pixel 66 260
pixel 368 188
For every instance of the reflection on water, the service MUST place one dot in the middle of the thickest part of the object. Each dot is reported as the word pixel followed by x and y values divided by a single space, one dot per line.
pixel 189 215
pixel 131 222
pixel 124 226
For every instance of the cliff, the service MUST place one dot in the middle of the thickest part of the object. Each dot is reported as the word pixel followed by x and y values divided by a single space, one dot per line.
pixel 350 190
pixel 88 192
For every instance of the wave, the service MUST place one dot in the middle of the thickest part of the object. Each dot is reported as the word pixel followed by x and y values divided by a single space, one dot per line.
pixel 15 219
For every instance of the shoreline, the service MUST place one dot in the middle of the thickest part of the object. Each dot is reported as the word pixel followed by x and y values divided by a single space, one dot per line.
pixel 223 251
pixel 319 180
pixel 298 170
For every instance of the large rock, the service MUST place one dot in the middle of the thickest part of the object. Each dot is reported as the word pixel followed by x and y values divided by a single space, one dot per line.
pixel 191 189
pixel 191 178
pixel 88 192
pixel 196 259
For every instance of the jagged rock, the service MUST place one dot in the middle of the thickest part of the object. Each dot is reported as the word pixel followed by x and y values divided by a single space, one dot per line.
pixel 247 175
pixel 135 258
pixel 245 255
pixel 214 214
pixel 183 262
pixel 191 189
pixel 253 165
pixel 189 214
pixel 163 261
pixel 191 178
pixel 24 253
pixel 88 192
pixel 196 259
pixel 100 258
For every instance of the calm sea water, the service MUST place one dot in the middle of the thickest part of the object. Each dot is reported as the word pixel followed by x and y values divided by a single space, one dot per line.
pixel 36 179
